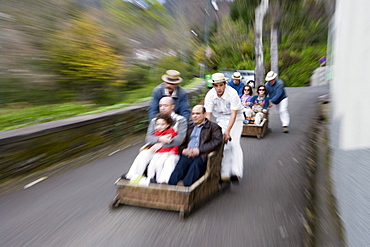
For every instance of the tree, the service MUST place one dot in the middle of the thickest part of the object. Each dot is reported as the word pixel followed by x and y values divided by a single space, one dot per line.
pixel 85 61
pixel 231 45
pixel 145 24
pixel 294 26
pixel 275 16
pixel 260 14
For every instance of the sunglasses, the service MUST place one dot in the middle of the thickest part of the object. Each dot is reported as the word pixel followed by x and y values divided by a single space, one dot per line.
pixel 261 89
pixel 246 89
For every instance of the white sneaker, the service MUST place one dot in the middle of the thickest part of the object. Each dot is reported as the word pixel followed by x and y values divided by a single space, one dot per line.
pixel 144 182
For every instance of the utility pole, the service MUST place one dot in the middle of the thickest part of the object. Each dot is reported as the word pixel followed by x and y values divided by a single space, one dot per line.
pixel 260 14
pixel 206 36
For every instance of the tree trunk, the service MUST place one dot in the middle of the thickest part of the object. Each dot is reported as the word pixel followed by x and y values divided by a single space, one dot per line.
pixel 258 46
pixel 275 20
pixel 274 50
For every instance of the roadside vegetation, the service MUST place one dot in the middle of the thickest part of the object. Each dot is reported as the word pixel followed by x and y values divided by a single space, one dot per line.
pixel 21 115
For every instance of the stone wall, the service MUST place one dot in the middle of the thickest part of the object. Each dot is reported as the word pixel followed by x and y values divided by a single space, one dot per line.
pixel 29 149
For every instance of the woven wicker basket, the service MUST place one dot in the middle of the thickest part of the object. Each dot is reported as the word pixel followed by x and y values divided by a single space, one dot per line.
pixel 171 197
pixel 256 130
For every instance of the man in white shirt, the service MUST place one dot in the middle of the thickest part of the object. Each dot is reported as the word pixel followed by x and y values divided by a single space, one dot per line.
pixel 224 104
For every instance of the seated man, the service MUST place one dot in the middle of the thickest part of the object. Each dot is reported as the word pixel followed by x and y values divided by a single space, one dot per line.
pixel 202 137
pixel 166 106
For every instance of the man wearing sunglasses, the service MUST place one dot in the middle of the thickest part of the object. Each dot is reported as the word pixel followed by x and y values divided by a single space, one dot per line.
pixel 278 96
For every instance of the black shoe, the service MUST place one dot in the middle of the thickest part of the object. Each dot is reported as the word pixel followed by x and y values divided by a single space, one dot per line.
pixel 153 181
pixel 123 176
pixel 234 179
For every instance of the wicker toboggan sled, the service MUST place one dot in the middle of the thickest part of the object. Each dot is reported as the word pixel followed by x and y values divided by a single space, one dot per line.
pixel 172 197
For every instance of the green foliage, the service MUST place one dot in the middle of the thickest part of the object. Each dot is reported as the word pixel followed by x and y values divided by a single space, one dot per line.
pixel 85 60
pixel 299 66
pixel 21 115
pixel 145 24
pixel 15 90
pixel 154 15
pixel 244 10
pixel 17 116
pixel 288 58
pixel 306 35
pixel 197 99
pixel 232 45
pixel 248 64
pixel 136 76
pixel 303 33
pixel 171 62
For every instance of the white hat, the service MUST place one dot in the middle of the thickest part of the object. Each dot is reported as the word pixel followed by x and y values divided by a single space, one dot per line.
pixel 219 77
pixel 236 75
pixel 172 76
pixel 270 76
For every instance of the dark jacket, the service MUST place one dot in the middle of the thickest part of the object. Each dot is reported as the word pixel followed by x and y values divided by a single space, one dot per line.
pixel 211 139
pixel 180 100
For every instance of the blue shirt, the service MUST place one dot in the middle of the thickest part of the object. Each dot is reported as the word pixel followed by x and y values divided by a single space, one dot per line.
pixel 276 92
pixel 180 98
pixel 195 136
pixel 238 88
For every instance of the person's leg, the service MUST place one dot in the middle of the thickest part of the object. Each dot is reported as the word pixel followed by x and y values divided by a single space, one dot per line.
pixel 196 170
pixel 152 167
pixel 248 112
pixel 226 161
pixel 258 118
pixel 160 164
pixel 236 149
pixel 180 170
pixel 139 165
pixel 168 167
pixel 156 164
pixel 283 112
pixel 227 155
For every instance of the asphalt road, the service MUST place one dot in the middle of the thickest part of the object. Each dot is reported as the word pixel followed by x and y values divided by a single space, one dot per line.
pixel 266 209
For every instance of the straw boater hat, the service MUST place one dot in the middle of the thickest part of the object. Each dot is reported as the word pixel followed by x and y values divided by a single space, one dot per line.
pixel 172 76
pixel 270 76
pixel 219 77
pixel 236 75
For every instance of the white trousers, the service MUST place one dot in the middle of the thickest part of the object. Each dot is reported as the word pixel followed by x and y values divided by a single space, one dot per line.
pixel 232 162
pixel 282 111
pixel 162 166
pixel 258 118
pixel 139 165
pixel 248 111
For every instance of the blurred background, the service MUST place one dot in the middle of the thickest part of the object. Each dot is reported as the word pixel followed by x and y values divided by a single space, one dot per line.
pixel 65 58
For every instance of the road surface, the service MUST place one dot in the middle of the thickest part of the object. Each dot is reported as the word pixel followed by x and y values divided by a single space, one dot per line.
pixel 266 209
